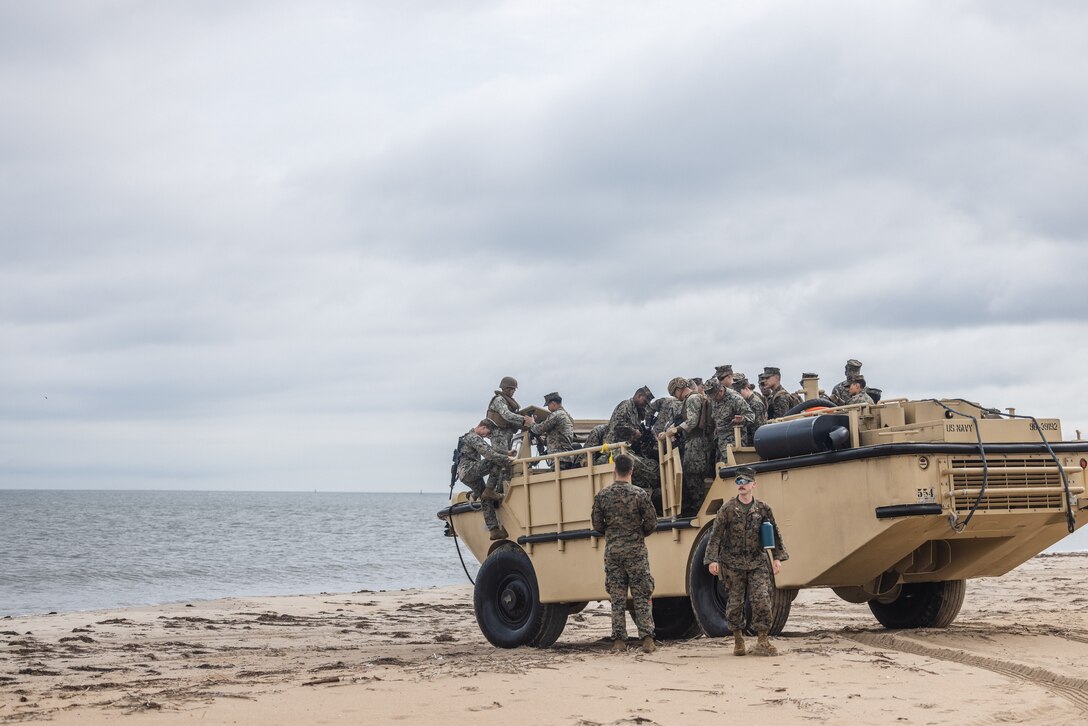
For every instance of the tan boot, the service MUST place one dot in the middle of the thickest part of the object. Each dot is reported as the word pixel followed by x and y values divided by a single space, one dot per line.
pixel 738 643
pixel 499 533
pixel 490 495
pixel 764 646
pixel 648 644
pixel 619 645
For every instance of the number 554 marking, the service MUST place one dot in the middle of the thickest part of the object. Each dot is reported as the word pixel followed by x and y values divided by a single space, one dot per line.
pixel 926 495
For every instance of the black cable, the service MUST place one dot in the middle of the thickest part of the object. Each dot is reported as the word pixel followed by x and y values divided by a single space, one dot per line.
pixel 459 555
pixel 453 532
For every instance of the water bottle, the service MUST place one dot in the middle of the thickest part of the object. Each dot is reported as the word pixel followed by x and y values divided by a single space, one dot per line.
pixel 766 535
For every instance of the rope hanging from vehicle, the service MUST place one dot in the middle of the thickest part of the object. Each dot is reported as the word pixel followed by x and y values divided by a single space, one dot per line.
pixel 953 522
pixel 1070 519
pixel 1071 522
pixel 456 538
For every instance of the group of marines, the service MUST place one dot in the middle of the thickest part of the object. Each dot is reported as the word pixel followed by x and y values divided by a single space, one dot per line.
pixel 701 417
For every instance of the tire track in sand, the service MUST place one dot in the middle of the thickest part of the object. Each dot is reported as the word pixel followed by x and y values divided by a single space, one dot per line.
pixel 1074 690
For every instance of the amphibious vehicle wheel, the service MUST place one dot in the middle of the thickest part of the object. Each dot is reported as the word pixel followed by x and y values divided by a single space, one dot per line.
pixel 806 405
pixel 922 605
pixel 551 626
pixel 781 604
pixel 674 618
pixel 709 597
pixel 507 600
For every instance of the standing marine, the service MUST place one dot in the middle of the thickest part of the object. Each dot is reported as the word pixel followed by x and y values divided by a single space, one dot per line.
pixel 856 391
pixel 624 515
pixel 779 400
pixel 627 425
pixel 664 412
pixel 476 458
pixel 503 414
pixel 838 393
pixel 735 554
pixel 755 401
pixel 557 429
pixel 728 410
pixel 696 458
pixel 626 422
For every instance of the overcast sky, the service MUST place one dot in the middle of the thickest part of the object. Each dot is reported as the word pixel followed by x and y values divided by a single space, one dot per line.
pixel 282 245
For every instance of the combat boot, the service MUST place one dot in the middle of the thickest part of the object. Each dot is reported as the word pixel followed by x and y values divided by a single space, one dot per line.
pixel 648 644
pixel 499 533
pixel 490 495
pixel 619 645
pixel 764 646
pixel 738 643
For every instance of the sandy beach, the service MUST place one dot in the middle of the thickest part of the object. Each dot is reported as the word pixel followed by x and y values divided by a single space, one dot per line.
pixel 1017 653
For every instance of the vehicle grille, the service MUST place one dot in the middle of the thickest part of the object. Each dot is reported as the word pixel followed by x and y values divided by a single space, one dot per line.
pixel 1005 487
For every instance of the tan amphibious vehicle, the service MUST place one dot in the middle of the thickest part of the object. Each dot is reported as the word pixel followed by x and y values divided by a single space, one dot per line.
pixel 895 504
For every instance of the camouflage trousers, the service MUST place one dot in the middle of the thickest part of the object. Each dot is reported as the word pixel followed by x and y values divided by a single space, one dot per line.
pixel 697 467
pixel 756 585
pixel 647 474
pixel 625 570
pixel 722 444
pixel 473 476
pixel 501 440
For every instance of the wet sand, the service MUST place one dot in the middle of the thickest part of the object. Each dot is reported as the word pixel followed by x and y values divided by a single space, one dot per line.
pixel 1018 653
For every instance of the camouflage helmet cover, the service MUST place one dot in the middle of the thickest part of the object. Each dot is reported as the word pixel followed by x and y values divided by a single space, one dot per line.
pixel 677 384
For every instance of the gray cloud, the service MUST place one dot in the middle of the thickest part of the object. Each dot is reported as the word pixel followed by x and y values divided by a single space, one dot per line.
pixel 265 246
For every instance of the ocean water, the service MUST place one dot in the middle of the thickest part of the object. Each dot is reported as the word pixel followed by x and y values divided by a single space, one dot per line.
pixel 88 550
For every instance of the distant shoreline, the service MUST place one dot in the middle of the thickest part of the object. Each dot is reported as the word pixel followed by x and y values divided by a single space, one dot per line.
pixel 188 602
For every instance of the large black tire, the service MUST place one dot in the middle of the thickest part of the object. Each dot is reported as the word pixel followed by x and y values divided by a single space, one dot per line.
pixel 781 604
pixel 811 403
pixel 674 618
pixel 709 597
pixel 922 605
pixel 551 626
pixel 507 600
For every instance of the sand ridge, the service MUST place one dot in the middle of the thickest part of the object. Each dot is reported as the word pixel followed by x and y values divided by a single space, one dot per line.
pixel 1017 653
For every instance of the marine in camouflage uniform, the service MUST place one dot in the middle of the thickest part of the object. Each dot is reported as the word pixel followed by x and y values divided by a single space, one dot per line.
pixel 755 401
pixel 557 429
pixel 666 410
pixel 779 400
pixel 502 411
pixel 856 391
pixel 838 393
pixel 627 418
pixel 624 515
pixel 595 437
pixel 742 565
pixel 696 458
pixel 626 426
pixel 479 458
pixel 726 405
